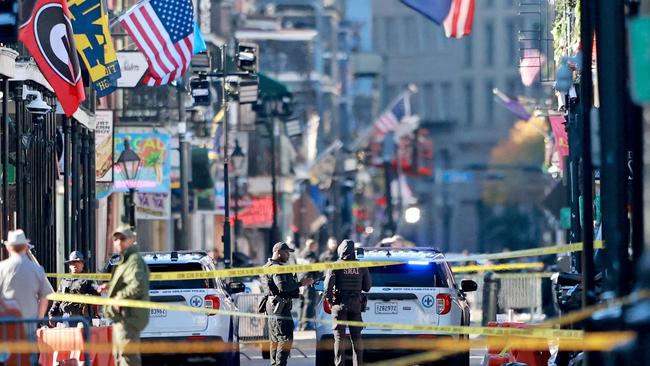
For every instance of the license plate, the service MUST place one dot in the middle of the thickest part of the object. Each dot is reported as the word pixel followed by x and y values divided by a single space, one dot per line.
pixel 386 308
pixel 157 313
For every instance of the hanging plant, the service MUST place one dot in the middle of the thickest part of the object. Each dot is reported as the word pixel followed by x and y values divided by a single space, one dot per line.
pixel 566 28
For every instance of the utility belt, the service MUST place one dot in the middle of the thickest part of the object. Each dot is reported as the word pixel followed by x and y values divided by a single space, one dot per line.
pixel 280 304
pixel 337 298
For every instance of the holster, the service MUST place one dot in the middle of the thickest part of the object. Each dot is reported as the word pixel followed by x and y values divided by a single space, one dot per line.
pixel 279 305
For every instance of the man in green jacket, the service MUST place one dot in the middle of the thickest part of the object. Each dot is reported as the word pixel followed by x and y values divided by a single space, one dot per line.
pixel 129 280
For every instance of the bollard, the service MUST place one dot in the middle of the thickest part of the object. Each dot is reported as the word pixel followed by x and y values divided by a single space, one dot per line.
pixel 490 298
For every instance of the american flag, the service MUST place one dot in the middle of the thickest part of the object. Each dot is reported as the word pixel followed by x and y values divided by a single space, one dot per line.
pixel 391 118
pixel 164 31
pixel 459 21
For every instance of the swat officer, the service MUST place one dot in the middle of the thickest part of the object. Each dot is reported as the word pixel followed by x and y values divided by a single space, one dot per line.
pixel 343 291
pixel 282 288
pixel 79 286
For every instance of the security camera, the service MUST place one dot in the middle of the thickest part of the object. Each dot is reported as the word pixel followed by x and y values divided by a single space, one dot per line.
pixel 36 105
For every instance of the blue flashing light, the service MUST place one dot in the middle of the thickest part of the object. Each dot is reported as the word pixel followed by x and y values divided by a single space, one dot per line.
pixel 419 263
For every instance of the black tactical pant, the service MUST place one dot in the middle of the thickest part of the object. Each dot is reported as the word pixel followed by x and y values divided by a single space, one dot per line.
pixel 281 334
pixel 347 312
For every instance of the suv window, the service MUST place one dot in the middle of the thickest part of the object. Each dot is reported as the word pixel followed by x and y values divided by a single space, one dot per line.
pixel 179 284
pixel 409 275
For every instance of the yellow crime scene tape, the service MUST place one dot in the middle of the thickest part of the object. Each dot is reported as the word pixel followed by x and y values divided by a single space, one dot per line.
pixel 292 268
pixel 534 252
pixel 447 329
pixel 319 267
pixel 596 341
pixel 600 341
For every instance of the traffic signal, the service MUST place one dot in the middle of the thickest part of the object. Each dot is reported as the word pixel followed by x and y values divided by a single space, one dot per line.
pixel 200 88
pixel 8 21
pixel 247 57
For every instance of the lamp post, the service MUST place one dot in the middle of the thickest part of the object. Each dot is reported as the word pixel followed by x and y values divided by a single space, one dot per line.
pixel 129 164
pixel 237 157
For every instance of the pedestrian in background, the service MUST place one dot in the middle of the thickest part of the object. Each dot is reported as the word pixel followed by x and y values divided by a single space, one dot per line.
pixel 344 292
pixel 22 280
pixel 129 281
pixel 308 296
pixel 281 289
pixel 77 286
pixel 330 254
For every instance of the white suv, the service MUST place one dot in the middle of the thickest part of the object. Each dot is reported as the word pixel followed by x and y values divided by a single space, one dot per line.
pixel 214 293
pixel 420 291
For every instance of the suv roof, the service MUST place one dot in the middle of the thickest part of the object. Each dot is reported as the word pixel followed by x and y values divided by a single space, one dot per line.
pixel 388 254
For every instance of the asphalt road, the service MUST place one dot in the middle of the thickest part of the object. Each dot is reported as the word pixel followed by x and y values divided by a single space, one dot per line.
pixel 304 353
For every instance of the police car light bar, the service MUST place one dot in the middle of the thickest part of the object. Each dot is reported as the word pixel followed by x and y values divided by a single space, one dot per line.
pixel 419 263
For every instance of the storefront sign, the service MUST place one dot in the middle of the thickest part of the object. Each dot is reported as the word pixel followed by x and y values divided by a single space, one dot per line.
pixel 259 214
pixel 133 66
pixel 153 149
pixel 104 146
pixel 152 206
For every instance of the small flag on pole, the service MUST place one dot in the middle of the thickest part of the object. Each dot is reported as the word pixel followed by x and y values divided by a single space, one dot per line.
pixel 391 118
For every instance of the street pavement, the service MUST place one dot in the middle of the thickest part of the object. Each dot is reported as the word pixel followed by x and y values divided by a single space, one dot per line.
pixel 304 352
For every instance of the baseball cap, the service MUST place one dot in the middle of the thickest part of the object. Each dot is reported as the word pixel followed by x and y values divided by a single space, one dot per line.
pixel 75 256
pixel 125 230
pixel 282 246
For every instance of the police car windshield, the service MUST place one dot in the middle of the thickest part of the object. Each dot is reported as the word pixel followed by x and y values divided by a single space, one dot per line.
pixel 180 284
pixel 421 274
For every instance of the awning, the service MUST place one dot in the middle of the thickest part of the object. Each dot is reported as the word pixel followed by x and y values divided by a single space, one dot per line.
pixel 271 88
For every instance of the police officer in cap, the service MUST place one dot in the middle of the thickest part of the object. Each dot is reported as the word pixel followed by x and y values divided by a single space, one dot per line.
pixel 282 288
pixel 343 291
pixel 78 286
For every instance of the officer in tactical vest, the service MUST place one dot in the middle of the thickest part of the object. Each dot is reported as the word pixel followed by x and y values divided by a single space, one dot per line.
pixel 343 291
pixel 282 288
pixel 78 286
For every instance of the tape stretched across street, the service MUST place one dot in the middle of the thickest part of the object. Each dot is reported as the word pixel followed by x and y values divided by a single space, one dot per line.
pixel 295 268
pixel 593 341
pixel 319 267
pixel 466 330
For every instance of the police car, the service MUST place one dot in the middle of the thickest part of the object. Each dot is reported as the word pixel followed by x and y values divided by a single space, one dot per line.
pixel 420 291
pixel 212 293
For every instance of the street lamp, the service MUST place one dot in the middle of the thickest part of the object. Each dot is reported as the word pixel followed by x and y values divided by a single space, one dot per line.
pixel 129 164
pixel 237 157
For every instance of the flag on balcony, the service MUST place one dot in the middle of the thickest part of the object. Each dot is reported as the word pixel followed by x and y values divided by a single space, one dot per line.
pixel 391 118
pixel 47 35
pixel 164 31
pixel 456 16
pixel 511 104
pixel 94 44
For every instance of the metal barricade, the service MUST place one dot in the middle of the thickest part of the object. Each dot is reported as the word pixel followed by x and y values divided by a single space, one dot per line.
pixel 250 329
pixel 21 346
pixel 513 294
pixel 521 293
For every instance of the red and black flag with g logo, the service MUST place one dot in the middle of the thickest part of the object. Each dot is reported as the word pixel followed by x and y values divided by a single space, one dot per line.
pixel 46 31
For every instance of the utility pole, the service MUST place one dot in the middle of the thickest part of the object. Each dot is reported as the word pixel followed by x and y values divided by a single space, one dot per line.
pixel 586 103
pixel 612 79
pixel 182 148
pixel 387 154
pixel 227 250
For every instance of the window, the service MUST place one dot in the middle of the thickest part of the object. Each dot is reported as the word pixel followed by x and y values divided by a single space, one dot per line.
pixel 469 101
pixel 512 32
pixel 377 34
pixel 391 32
pixel 411 34
pixel 429 100
pixel 416 103
pixel 489 43
pixel 447 97
pixel 489 102
pixel 410 275
pixel 468 51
